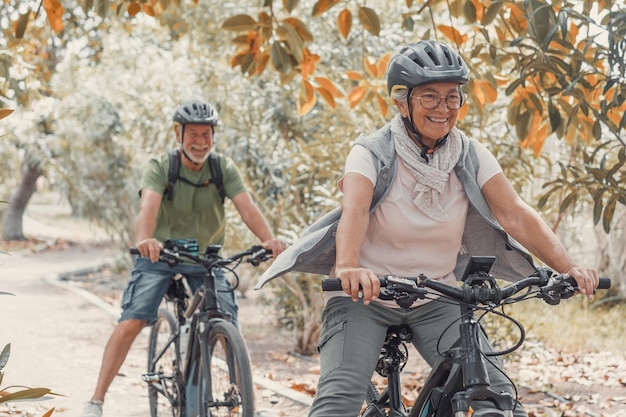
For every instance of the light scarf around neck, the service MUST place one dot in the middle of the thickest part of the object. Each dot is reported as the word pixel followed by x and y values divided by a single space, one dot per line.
pixel 431 177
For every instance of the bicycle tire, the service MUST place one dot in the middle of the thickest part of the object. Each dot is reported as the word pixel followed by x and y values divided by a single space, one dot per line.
pixel 165 394
pixel 228 390
pixel 432 406
pixel 375 403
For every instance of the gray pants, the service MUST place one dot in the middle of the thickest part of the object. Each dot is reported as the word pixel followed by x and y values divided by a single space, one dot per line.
pixel 351 340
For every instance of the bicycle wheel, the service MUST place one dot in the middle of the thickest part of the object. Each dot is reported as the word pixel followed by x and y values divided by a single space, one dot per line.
pixel 376 403
pixel 226 387
pixel 432 404
pixel 164 392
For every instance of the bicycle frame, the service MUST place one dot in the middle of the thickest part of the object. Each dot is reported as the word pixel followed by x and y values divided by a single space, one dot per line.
pixel 453 383
pixel 201 324
pixel 197 383
pixel 156 381
pixel 460 377
pixel 202 311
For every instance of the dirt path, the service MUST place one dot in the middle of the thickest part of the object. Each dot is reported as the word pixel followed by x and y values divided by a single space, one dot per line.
pixel 57 336
pixel 57 332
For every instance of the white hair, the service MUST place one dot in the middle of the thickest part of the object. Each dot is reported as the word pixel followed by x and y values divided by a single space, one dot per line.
pixel 400 94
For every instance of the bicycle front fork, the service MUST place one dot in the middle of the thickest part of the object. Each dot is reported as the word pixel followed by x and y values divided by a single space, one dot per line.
pixel 461 404
pixel 476 378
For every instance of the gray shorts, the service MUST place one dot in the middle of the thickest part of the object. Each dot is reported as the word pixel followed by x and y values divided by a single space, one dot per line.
pixel 149 282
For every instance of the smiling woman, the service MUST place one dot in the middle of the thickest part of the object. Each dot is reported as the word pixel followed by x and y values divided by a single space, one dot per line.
pixel 418 195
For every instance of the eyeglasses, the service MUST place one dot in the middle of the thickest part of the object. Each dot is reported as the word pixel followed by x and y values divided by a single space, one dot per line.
pixel 429 101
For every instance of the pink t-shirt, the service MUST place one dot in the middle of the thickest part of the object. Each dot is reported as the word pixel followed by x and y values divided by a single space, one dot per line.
pixel 401 240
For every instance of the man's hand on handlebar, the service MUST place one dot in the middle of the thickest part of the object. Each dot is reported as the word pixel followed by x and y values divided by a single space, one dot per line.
pixel 275 245
pixel 355 280
pixel 586 278
pixel 150 248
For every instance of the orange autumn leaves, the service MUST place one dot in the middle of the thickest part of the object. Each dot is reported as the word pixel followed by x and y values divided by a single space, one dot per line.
pixel 326 89
pixel 282 43
pixel 366 87
pixel 370 84
pixel 287 54
pixel 54 11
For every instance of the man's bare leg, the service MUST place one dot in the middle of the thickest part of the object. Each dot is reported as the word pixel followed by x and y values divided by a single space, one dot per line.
pixel 115 353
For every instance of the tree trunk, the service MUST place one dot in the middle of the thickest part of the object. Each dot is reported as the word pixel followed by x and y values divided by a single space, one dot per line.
pixel 12 226
pixel 612 251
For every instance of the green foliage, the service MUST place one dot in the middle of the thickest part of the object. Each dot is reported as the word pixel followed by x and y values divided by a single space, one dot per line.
pixel 104 194
pixel 564 326
pixel 600 181
pixel 17 393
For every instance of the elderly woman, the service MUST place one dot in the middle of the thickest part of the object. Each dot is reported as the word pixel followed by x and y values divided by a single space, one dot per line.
pixel 418 197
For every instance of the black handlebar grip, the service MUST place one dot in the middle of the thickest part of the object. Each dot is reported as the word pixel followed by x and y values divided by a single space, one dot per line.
pixel 331 284
pixel 334 284
pixel 134 251
pixel 604 284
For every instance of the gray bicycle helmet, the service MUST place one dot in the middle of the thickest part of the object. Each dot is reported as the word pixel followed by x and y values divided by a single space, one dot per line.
pixel 426 62
pixel 198 112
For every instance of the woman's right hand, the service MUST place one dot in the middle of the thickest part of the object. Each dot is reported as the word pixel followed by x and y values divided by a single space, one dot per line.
pixel 355 280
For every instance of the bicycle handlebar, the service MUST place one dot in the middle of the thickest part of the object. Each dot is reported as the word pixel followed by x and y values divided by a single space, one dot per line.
pixel 552 288
pixel 173 256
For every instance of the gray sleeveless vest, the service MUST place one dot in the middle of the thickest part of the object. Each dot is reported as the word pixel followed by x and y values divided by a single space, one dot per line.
pixel 314 250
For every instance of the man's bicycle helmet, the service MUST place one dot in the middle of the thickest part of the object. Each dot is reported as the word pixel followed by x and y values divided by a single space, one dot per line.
pixel 198 112
pixel 426 62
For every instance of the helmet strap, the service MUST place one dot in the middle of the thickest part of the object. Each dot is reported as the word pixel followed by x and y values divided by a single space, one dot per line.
pixel 182 146
pixel 408 123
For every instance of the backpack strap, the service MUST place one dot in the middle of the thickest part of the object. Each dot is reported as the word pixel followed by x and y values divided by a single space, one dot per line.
pixel 173 175
pixel 216 174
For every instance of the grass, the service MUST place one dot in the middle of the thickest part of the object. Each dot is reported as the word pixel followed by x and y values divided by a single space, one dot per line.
pixel 575 325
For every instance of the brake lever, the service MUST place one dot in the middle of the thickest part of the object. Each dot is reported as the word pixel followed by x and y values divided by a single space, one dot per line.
pixel 259 254
pixel 170 257
pixel 557 290
pixel 404 291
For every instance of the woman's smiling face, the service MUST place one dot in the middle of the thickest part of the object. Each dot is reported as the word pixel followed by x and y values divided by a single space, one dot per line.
pixel 432 124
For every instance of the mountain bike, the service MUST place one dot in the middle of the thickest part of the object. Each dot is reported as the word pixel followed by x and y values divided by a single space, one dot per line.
pixel 198 363
pixel 460 376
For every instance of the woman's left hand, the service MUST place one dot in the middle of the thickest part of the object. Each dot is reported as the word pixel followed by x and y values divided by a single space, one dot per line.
pixel 586 278
pixel 275 245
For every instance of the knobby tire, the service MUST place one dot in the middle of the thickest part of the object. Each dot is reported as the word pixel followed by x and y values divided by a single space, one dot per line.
pixel 374 404
pixel 228 390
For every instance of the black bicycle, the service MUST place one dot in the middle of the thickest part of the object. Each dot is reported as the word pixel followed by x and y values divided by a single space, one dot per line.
pixel 198 363
pixel 460 376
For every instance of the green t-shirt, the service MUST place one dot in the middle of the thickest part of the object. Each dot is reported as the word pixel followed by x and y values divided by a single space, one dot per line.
pixel 194 212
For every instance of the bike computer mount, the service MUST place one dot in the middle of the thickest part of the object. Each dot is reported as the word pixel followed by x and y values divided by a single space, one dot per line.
pixel 477 270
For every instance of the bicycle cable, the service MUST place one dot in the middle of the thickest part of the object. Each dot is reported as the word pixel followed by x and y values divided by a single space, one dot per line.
pixel 489 309
pixel 517 324
pixel 236 277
